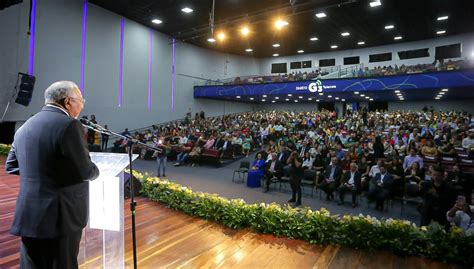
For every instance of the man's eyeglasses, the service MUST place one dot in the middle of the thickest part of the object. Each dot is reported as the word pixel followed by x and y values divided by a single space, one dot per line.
pixel 83 100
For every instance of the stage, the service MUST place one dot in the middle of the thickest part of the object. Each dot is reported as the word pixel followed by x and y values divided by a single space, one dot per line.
pixel 168 239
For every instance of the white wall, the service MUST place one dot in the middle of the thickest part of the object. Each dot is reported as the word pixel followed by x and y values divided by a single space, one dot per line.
pixel 58 56
pixel 466 40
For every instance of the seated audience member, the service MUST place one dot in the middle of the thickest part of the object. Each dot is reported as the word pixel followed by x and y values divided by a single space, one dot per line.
pixel 380 187
pixel 398 174
pixel 307 161
pixel 414 177
pixel 410 159
pixel 447 150
pixel 331 179
pixel 350 183
pixel 210 142
pixel 256 172
pixel 429 149
pixel 273 169
pixel 184 153
pixel 462 215
pixel 438 198
pixel 225 147
pixel 339 152
pixel 345 163
pixel 468 142
pixel 247 145
pixel 195 155
pixel 284 154
pixel 459 182
pixel 378 148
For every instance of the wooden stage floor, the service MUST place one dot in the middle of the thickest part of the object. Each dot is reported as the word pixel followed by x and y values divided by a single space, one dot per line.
pixel 171 239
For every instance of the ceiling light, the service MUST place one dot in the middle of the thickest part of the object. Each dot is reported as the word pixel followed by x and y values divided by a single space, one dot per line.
pixel 436 98
pixel 442 93
pixel 276 45
pixel 249 50
pixel 187 10
pixel 321 93
pixel 280 24
pixel 362 95
pixel 321 15
pixel 343 100
pixel 444 90
pixel 345 34
pixel 212 40
pixel 442 18
pixel 397 38
pixel 287 99
pixel 361 43
pixel 375 3
pixel 238 96
pixel 310 99
pixel 399 94
pixel 251 98
pixel 337 98
pixel 290 94
pixel 273 101
pixel 388 27
pixel 156 21
pixel 221 36
pixel 264 95
pixel 371 99
pixel 300 51
pixel 441 32
pixel 397 91
pixel 245 31
pixel 367 97
pixel 329 96
pixel 313 38
pixel 317 100
pixel 276 97
pixel 301 97
pixel 334 47
pixel 296 101
pixel 263 100
pixel 356 92
pixel 276 55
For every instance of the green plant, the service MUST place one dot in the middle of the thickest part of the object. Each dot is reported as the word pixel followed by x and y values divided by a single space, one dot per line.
pixel 316 227
pixel 4 149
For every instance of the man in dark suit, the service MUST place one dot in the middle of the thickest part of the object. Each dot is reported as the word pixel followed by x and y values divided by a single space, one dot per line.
pixel 332 176
pixel 304 148
pixel 273 168
pixel 283 155
pixel 350 183
pixel 50 154
pixel 380 187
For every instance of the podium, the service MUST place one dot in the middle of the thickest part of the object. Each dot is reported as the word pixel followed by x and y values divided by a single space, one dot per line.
pixel 102 243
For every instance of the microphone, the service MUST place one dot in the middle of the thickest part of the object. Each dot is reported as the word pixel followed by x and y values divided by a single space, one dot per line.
pixel 89 124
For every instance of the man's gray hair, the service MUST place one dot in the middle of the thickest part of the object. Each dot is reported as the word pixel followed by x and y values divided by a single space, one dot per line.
pixel 59 90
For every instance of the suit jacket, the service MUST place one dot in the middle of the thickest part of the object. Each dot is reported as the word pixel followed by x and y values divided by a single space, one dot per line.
pixel 337 173
pixel 387 182
pixel 50 154
pixel 357 178
pixel 283 156
pixel 278 168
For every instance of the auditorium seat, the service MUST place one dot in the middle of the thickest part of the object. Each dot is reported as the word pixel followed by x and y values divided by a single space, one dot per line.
pixel 467 166
pixel 211 156
pixel 447 163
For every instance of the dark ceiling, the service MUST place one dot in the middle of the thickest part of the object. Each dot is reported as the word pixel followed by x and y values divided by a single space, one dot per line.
pixel 412 19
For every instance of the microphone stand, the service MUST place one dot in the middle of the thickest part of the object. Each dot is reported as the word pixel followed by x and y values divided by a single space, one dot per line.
pixel 133 204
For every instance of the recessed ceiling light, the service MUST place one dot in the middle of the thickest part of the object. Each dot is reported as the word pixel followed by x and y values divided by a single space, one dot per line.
pixel 388 27
pixel 444 90
pixel 399 94
pixel 301 97
pixel 442 18
pixel 367 97
pixel 264 95
pixel 287 99
pixel 329 96
pixel 276 97
pixel 300 51
pixel 276 45
pixel 187 10
pixel 441 32
pixel 251 98
pixel 290 94
pixel 321 93
pixel 397 38
pixel 273 101
pixel 437 98
pixel 375 3
pixel 361 43
pixel 441 93
pixel 371 99
pixel 156 21
pixel 317 100
pixel 280 24
pixel 238 96
pixel 397 91
pixel 321 15
pixel 296 101
pixel 356 92
pixel 345 34
pixel 313 38
pixel 221 36
pixel 334 47
pixel 343 100
pixel 263 100
pixel 276 54
pixel 337 98
pixel 362 95
pixel 245 31
pixel 249 50
pixel 211 40
pixel 310 99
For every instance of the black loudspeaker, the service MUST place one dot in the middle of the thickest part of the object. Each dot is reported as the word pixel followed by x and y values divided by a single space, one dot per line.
pixel 94 148
pixel 25 89
pixel 137 186
pixel 7 132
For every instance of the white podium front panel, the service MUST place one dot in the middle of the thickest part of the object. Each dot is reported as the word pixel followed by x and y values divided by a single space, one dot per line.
pixel 102 244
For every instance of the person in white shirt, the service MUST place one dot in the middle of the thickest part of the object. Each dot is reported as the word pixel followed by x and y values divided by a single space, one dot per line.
pixel 350 183
pixel 468 142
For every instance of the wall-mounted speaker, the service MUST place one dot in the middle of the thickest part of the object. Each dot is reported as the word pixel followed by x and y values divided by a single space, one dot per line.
pixel 25 89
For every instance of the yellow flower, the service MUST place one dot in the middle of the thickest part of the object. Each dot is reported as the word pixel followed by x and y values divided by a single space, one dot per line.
pixel 424 229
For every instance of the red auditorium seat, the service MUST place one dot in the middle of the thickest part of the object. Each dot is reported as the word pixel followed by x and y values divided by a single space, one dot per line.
pixel 429 160
pixel 447 163
pixel 467 166
pixel 211 155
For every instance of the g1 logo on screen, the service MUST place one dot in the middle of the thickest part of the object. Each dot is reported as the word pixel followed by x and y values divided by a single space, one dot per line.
pixel 316 86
